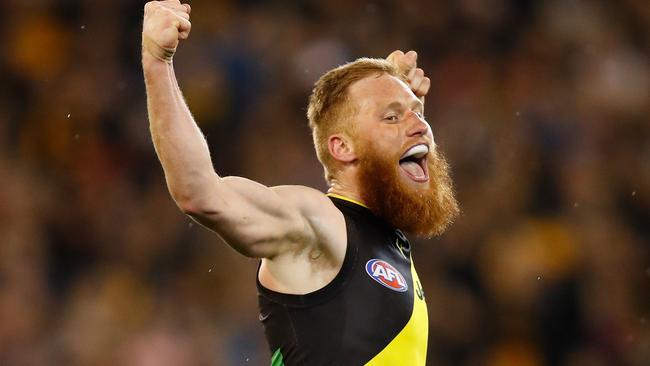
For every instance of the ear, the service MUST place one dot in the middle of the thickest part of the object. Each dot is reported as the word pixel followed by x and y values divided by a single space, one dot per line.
pixel 341 149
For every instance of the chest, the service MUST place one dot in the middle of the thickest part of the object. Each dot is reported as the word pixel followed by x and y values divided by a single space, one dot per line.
pixel 382 288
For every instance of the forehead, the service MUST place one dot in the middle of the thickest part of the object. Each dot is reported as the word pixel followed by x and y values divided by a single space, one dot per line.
pixel 379 91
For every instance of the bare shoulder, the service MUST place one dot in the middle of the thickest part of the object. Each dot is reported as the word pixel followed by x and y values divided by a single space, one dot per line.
pixel 306 198
pixel 325 218
pixel 313 266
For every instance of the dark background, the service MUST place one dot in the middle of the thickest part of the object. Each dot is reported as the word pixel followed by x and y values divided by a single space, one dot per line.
pixel 542 108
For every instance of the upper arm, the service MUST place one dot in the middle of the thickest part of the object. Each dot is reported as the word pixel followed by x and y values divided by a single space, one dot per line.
pixel 256 220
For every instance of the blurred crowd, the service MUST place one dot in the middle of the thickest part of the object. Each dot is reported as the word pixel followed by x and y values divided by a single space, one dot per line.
pixel 541 107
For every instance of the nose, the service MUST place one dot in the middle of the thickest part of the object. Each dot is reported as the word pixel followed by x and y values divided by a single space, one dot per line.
pixel 417 126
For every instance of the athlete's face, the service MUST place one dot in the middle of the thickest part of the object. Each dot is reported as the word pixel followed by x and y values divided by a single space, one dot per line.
pixel 402 176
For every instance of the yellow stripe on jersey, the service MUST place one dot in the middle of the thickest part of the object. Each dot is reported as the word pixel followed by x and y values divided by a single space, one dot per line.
pixel 346 199
pixel 409 347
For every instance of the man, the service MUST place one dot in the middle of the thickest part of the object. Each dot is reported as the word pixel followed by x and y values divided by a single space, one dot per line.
pixel 336 282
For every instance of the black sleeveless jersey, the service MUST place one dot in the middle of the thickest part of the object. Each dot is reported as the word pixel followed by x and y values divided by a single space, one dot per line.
pixel 372 313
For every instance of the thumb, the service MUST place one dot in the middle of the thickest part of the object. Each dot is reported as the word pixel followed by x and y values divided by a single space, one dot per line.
pixel 183 26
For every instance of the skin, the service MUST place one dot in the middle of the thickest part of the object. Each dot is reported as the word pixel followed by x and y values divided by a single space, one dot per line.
pixel 391 118
pixel 296 231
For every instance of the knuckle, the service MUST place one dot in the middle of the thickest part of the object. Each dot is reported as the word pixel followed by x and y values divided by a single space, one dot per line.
pixel 157 9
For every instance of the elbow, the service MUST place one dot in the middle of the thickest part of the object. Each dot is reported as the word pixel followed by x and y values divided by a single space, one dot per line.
pixel 188 200
pixel 195 198
pixel 185 202
pixel 188 207
pixel 195 207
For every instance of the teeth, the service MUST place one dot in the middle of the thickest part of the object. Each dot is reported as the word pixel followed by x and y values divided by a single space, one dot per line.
pixel 416 151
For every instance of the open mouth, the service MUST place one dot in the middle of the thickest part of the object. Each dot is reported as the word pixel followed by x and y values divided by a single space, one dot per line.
pixel 414 163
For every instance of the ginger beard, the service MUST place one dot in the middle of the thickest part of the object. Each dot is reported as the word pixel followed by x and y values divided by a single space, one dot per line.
pixel 423 209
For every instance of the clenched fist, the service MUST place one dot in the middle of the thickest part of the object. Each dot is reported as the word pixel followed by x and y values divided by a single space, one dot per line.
pixel 407 64
pixel 165 24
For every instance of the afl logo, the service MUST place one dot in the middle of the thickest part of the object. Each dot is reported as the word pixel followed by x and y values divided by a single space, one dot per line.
pixel 382 272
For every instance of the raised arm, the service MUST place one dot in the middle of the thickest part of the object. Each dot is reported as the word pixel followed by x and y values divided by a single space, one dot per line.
pixel 255 220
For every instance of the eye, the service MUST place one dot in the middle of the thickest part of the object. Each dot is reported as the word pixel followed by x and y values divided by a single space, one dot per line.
pixel 391 118
pixel 420 114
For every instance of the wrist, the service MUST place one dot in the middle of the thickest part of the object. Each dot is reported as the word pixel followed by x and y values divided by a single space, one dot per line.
pixel 151 49
pixel 153 66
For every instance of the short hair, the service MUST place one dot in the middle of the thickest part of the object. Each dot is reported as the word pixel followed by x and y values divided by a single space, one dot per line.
pixel 329 110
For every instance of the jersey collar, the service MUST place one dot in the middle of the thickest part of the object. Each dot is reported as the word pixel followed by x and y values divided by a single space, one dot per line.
pixel 346 199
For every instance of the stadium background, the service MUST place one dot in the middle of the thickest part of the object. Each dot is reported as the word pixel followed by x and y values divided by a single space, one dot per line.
pixel 542 108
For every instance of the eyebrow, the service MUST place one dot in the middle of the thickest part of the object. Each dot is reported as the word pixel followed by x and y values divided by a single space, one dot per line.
pixel 414 104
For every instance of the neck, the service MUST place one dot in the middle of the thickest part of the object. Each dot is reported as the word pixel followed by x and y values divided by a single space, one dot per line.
pixel 347 190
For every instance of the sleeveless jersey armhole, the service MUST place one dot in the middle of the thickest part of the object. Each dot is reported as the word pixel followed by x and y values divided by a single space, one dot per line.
pixel 321 295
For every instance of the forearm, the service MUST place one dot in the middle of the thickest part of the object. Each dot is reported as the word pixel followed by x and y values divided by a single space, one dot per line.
pixel 179 143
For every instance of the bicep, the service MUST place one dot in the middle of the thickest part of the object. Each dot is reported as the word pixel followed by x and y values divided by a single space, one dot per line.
pixel 253 219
